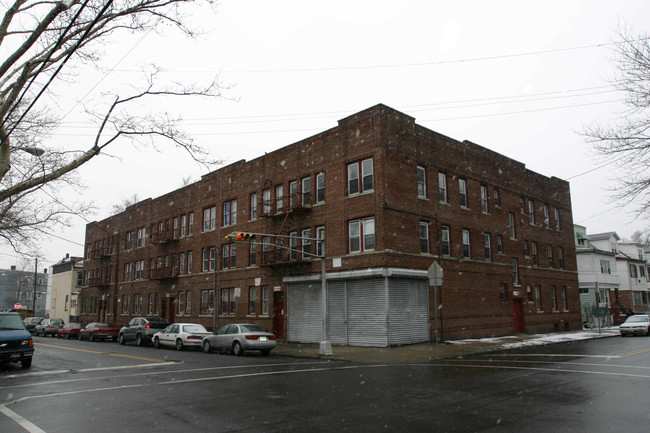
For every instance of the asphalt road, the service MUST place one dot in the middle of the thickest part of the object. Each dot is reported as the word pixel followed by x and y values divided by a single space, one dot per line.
pixel 598 385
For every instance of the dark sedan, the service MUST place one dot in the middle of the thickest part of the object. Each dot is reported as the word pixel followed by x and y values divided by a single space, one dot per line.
pixel 99 331
pixel 71 330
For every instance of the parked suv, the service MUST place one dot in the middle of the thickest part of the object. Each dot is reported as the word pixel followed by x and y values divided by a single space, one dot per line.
pixel 16 343
pixel 31 322
pixel 48 327
pixel 141 330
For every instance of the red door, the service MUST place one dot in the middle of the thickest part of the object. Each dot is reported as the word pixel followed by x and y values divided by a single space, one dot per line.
pixel 518 315
pixel 278 314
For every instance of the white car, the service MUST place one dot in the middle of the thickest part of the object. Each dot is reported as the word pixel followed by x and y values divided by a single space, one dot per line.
pixel 180 335
pixel 636 324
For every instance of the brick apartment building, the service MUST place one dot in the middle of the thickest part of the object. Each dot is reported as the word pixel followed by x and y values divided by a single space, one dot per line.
pixel 383 198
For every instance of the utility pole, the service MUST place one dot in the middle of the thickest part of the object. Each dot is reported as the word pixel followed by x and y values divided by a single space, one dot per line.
pixel 35 282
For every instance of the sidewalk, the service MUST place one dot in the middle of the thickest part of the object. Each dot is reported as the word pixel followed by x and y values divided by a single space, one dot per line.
pixel 425 352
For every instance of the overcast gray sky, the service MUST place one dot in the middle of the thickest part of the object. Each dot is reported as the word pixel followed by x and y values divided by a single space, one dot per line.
pixel 520 78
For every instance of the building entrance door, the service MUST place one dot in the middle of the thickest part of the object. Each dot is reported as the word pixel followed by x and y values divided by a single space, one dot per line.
pixel 278 314
pixel 518 316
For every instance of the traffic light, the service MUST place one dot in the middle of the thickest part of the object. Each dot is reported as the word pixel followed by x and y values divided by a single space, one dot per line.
pixel 241 236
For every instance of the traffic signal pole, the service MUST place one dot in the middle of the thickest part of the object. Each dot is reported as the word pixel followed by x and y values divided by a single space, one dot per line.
pixel 247 237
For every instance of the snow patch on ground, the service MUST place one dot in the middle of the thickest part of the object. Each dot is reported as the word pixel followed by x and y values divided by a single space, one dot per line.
pixel 516 341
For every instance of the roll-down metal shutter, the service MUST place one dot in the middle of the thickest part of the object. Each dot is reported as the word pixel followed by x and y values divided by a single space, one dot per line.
pixel 408 313
pixel 338 314
pixel 305 313
pixel 367 315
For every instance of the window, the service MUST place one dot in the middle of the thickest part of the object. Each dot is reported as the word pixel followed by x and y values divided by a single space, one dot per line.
pixel 560 257
pixel 293 194
pixel 188 302
pixel 361 235
pixel 633 273
pixel 129 241
pixel 128 271
pixel 320 187
pixel 189 262
pixel 228 301
pixel 179 301
pixel 462 189
pixel 265 300
pixel 266 201
pixel 176 228
pixel 209 257
pixel 125 304
pixel 360 177
pixel 553 298
pixel 207 301
pixel 531 212
pixel 150 308
pixel 515 272
pixel 529 293
pixel 484 199
pixel 139 270
pixel 549 250
pixel 604 267
pixel 533 250
pixel 252 292
pixel 442 187
pixel 522 208
pixel 487 246
pixel 565 306
pixel 497 201
pixel 293 244
pixel 190 225
pixel 424 237
pixel 538 298
pixel 557 219
pixel 229 256
pixel 306 191
pixel 183 225
pixel 525 248
pixel 230 213
pixel 182 263
pixel 511 226
pixel 142 234
pixel 306 243
pixel 209 218
pixel 444 241
pixel 320 244
pixel 279 197
pixel 253 203
pixel 499 244
pixel 547 220
pixel 253 254
pixel 137 304
pixel 422 182
pixel 466 246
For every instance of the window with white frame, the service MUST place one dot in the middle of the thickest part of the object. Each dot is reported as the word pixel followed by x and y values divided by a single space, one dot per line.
pixel 487 246
pixel 549 252
pixel 360 176
pixel 228 301
pixel 293 193
pixel 190 223
pixel 207 301
pixel 553 298
pixel 361 235
pixel 563 300
pixel 265 300
pixel 484 199
pixel 253 205
pixel 230 213
pixel 209 218
pixel 539 305
pixel 179 302
pixel 320 244
pixel 252 300
pixel 279 197
pixel 533 252
pixel 139 270
pixel 560 257
pixel 209 257
pixel 293 245
pixel 442 187
pixel 557 219
pixel 306 244
pixel 547 217
pixel 229 256
pixel 306 191
pixel 129 240
pixel 462 191
pixel 142 234
pixel 531 212
pixel 189 262
pixel 176 231
pixel 515 271
pixel 424 237
pixel 499 244
pixel 497 198
pixel 188 302
pixel 466 243
pixel 422 181
pixel 444 241
pixel 266 201
pixel 320 187
pixel 183 225
pixel 150 306
pixel 253 253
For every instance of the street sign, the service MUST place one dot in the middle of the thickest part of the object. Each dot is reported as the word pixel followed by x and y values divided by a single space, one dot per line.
pixel 435 274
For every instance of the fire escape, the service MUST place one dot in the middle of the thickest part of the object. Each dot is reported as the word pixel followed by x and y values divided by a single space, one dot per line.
pixel 163 266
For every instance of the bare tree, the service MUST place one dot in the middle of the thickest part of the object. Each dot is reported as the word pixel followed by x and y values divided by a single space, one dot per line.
pixel 626 142
pixel 43 39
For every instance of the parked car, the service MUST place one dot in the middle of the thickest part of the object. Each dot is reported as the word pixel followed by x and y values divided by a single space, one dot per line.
pixel 636 324
pixel 71 330
pixel 141 330
pixel 16 343
pixel 98 331
pixel 48 327
pixel 31 322
pixel 240 337
pixel 180 335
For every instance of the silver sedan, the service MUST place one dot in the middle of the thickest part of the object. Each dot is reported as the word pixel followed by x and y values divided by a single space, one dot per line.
pixel 240 337
pixel 180 335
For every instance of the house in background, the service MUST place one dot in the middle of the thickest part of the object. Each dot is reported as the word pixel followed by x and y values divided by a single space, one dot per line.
pixel 66 287
pixel 20 287
pixel 612 276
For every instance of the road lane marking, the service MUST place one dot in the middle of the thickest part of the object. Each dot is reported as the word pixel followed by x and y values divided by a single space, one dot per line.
pixel 555 355
pixel 104 353
pixel 24 423
pixel 634 352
